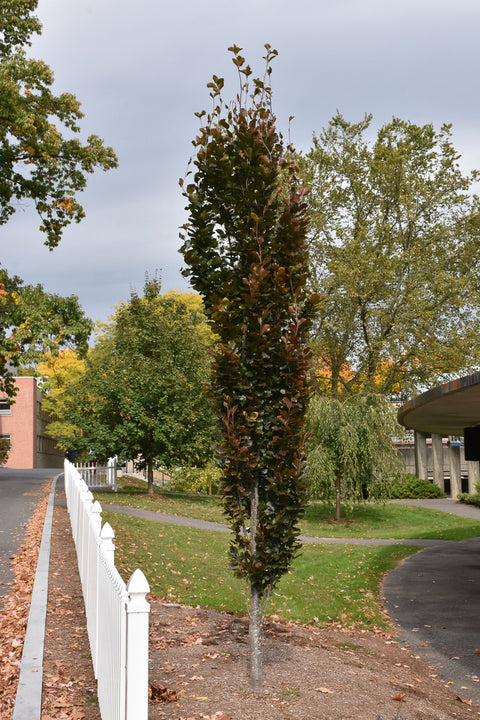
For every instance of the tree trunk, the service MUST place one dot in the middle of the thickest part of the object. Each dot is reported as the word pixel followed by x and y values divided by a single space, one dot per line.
pixel 255 657
pixel 150 477
pixel 255 660
pixel 338 493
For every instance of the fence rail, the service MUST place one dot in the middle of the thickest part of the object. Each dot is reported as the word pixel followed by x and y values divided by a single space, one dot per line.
pixel 117 614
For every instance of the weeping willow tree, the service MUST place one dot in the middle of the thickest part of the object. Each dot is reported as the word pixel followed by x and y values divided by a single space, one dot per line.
pixel 351 457
pixel 246 251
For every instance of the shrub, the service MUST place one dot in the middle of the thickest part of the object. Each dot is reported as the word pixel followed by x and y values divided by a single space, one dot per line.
pixel 204 480
pixel 4 449
pixel 470 498
pixel 410 487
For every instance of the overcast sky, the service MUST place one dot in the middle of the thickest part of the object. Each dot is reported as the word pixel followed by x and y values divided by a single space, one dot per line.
pixel 140 70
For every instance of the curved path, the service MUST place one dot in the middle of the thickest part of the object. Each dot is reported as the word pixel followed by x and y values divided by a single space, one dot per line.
pixel 433 596
pixel 434 599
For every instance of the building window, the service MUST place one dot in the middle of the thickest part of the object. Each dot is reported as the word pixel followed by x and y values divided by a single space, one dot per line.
pixel 5 407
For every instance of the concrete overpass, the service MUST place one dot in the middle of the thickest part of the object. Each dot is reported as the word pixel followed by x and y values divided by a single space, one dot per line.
pixel 444 411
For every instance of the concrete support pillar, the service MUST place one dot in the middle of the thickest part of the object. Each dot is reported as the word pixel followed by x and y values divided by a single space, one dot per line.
pixel 473 467
pixel 421 468
pixel 455 471
pixel 437 451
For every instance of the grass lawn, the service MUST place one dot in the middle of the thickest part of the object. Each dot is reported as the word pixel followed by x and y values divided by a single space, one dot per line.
pixel 327 584
pixel 133 493
pixel 366 521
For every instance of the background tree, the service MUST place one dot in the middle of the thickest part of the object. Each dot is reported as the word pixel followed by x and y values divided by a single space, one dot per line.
pixel 9 350
pixel 36 161
pixel 35 325
pixel 351 458
pixel 246 254
pixel 61 374
pixel 142 395
pixel 45 323
pixel 395 231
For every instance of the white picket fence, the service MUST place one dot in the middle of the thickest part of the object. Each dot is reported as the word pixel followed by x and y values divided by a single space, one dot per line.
pixel 99 477
pixel 117 614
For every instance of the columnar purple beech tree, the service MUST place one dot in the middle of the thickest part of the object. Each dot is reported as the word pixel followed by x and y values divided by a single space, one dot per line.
pixel 246 254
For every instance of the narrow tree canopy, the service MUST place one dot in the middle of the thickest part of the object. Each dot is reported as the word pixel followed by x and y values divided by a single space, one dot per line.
pixel 246 253
pixel 395 236
pixel 41 157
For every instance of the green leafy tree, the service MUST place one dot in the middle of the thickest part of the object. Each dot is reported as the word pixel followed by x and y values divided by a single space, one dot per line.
pixel 45 323
pixel 395 231
pixel 142 395
pixel 35 325
pixel 9 350
pixel 38 162
pixel 351 457
pixel 246 254
pixel 42 160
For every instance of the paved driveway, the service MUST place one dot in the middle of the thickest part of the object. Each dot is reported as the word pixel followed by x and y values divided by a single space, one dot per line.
pixel 20 491
pixel 434 598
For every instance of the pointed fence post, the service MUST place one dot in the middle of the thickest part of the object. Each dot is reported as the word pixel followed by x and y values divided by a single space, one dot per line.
pixel 137 648
pixel 112 473
pixel 96 517
pixel 106 542
pixel 92 597
pixel 83 549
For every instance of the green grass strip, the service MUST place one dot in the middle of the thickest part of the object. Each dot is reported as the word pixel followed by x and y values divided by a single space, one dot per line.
pixel 327 584
pixel 365 521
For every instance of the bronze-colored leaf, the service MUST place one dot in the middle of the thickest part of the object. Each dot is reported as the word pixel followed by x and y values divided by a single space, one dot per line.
pixel 157 694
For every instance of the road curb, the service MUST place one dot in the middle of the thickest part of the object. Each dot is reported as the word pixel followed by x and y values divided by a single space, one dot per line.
pixel 28 700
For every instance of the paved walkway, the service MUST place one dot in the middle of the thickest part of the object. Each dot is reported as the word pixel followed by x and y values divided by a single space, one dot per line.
pixel 434 599
pixel 446 505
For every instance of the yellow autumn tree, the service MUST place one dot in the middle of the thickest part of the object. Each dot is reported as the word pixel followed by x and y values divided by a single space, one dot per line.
pixel 60 375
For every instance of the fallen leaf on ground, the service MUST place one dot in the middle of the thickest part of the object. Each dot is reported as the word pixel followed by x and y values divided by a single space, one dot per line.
pixel 16 607
pixel 157 693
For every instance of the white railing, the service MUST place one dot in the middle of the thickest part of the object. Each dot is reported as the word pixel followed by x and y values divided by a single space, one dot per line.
pixel 99 476
pixel 117 614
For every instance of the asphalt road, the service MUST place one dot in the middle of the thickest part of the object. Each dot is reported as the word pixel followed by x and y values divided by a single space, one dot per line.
pixel 20 491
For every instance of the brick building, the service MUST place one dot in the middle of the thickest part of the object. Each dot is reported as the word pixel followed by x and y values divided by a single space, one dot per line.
pixel 23 423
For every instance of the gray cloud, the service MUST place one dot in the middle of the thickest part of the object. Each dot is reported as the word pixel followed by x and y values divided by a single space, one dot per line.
pixel 141 70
